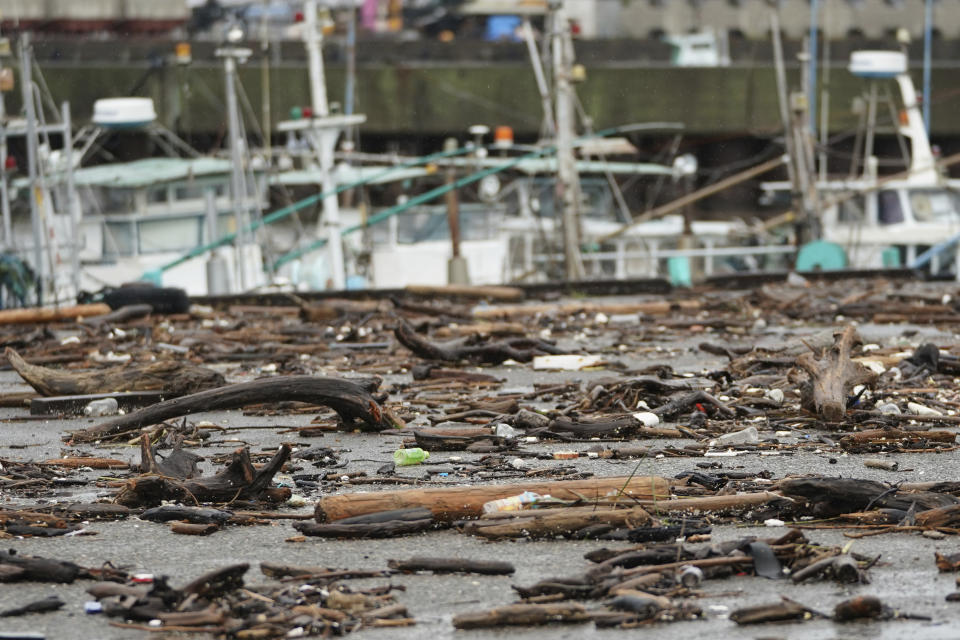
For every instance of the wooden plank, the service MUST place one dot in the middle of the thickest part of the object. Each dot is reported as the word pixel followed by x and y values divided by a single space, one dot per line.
pixel 25 316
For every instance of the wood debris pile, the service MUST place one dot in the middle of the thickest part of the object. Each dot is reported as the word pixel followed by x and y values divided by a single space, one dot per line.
pixel 645 425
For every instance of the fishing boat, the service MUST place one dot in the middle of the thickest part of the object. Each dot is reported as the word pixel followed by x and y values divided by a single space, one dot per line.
pixel 873 221
pixel 553 210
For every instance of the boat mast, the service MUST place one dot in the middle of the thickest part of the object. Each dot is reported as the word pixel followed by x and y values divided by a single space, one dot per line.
pixel 26 78
pixel 4 184
pixel 230 57
pixel 324 140
pixel 927 46
pixel 568 182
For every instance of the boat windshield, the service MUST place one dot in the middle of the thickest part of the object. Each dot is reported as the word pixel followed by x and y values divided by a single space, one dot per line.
pixel 935 205
pixel 429 224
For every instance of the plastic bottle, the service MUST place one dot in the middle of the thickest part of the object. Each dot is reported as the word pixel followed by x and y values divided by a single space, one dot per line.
pixel 102 407
pixel 744 436
pixel 404 457
pixel 513 503
pixel 506 431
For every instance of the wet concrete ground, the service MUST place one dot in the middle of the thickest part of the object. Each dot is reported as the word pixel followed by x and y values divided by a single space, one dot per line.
pixel 906 578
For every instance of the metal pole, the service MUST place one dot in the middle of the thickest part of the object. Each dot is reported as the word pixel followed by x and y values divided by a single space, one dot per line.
pixel 73 203
pixel 265 114
pixel 4 185
pixel 350 87
pixel 312 40
pixel 871 125
pixel 825 106
pixel 927 47
pixel 324 140
pixel 26 79
pixel 782 93
pixel 236 164
pixel 568 185
pixel 812 95
pixel 549 128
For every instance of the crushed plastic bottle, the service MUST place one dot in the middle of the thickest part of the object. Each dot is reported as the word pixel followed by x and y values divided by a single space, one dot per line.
pixel 406 457
pixel 775 394
pixel 889 409
pixel 102 407
pixel 513 503
pixel 506 431
pixel 744 436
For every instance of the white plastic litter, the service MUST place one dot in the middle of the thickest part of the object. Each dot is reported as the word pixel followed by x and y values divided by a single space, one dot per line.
pixel 647 418
pixel 101 407
pixel 921 410
pixel 775 394
pixel 567 362
pixel 744 436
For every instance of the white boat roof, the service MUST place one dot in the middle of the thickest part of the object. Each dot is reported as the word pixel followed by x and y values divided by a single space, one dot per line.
pixel 534 166
pixel 143 173
pixel 140 173
pixel 531 166
pixel 346 174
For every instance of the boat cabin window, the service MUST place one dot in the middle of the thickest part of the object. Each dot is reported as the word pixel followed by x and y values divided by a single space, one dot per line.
pixel 189 192
pixel 117 200
pixel 596 200
pixel 852 211
pixel 195 191
pixel 935 206
pixel 889 210
pixel 157 195
pixel 426 224
pixel 169 234
pixel 118 239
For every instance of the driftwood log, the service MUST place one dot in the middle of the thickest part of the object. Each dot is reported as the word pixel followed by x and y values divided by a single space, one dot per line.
pixel 352 402
pixel 615 426
pixel 545 523
pixel 889 437
pixel 452 503
pixel 467 291
pixel 778 612
pixel 172 377
pixel 834 496
pixel 453 565
pixel 240 480
pixel 519 349
pixel 128 312
pixel 832 377
pixel 652 308
pixel 384 524
pixel 523 615
pixel 37 569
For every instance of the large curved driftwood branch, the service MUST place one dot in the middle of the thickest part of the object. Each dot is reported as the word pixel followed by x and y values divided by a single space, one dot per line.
pixel 832 376
pixel 172 377
pixel 350 400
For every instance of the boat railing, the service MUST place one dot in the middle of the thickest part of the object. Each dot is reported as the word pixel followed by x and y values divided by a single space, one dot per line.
pixel 652 261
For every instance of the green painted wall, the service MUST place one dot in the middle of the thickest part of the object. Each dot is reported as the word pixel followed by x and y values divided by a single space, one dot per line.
pixel 446 99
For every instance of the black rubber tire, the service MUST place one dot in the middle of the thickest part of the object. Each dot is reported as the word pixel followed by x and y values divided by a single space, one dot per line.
pixel 162 299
